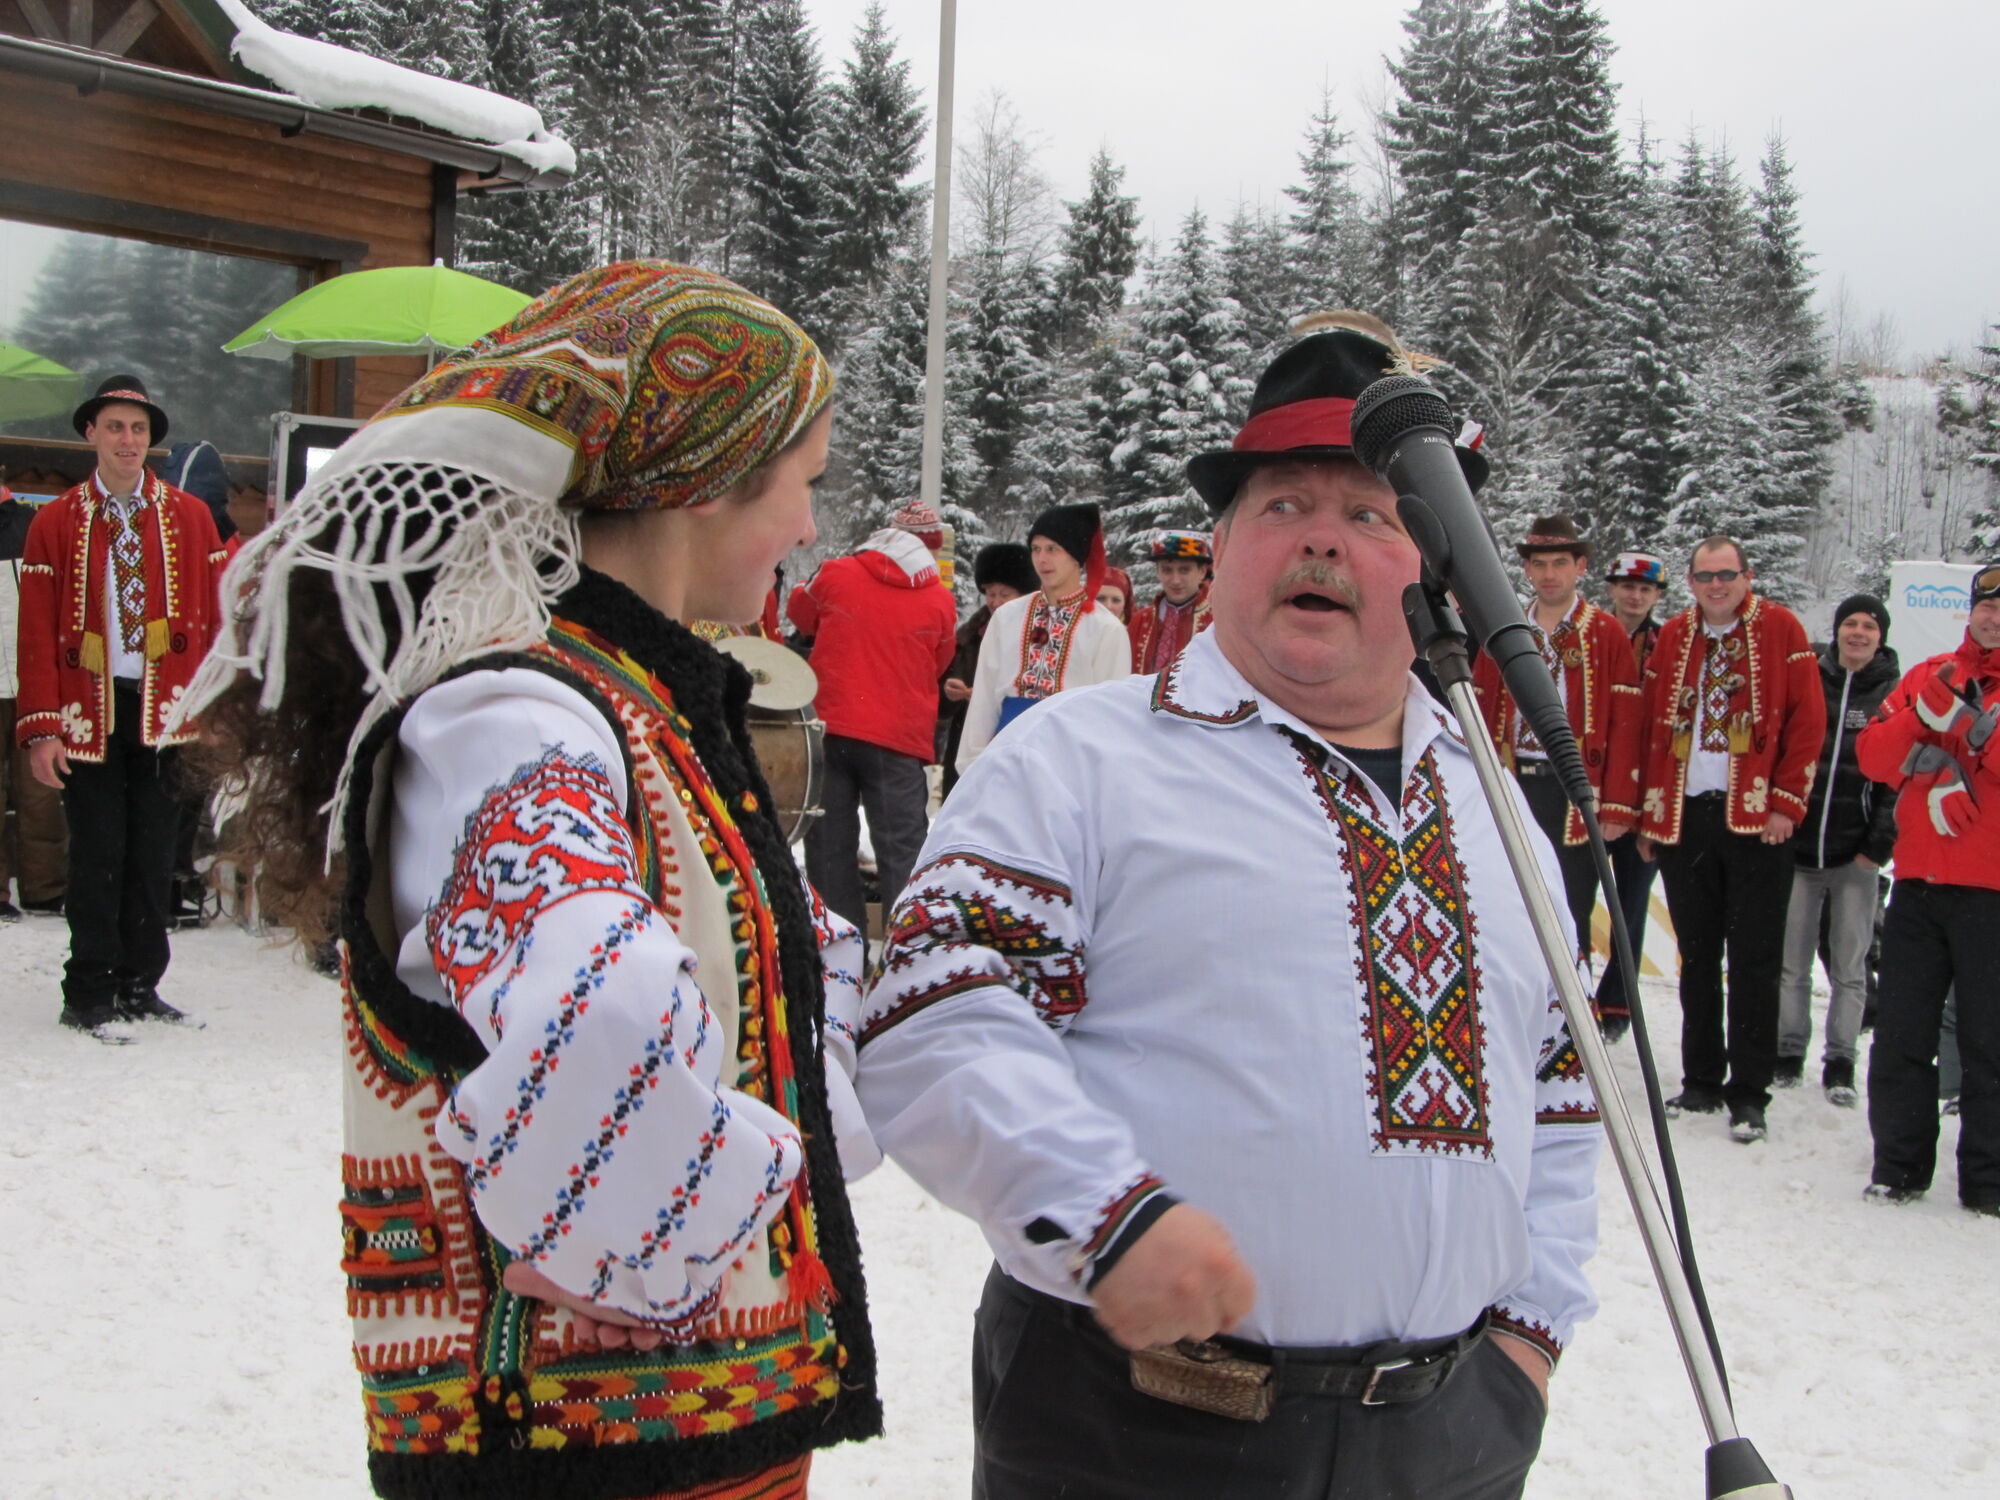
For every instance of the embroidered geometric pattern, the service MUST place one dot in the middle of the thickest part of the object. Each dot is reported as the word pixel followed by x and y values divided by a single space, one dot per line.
pixel 128 563
pixel 1416 966
pixel 966 904
pixel 1715 696
pixel 1563 1095
pixel 552 830
pixel 1046 633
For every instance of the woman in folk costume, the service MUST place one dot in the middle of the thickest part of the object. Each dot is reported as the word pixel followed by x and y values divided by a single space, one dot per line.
pixel 599 1031
pixel 1057 638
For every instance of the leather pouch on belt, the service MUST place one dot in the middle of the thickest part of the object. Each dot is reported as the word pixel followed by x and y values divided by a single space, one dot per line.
pixel 1207 1377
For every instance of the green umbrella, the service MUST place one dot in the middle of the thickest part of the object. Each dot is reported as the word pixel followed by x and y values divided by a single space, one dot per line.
pixel 31 386
pixel 392 310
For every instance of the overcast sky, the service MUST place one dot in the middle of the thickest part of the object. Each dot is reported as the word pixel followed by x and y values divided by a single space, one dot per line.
pixel 1891 110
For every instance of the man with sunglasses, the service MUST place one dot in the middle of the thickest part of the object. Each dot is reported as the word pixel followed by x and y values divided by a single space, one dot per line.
pixel 1933 740
pixel 1734 717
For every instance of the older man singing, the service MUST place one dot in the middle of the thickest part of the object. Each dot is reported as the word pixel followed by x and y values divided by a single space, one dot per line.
pixel 1274 1126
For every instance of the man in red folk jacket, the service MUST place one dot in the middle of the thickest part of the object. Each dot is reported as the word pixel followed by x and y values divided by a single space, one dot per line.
pixel 118 607
pixel 883 629
pixel 1594 669
pixel 1933 740
pixel 1734 716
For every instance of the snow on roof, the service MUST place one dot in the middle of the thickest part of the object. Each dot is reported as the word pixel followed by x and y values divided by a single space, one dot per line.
pixel 330 77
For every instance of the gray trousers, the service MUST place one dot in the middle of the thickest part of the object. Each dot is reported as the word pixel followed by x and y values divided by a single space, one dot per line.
pixel 1850 893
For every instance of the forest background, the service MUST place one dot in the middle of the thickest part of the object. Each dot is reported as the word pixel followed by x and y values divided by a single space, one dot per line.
pixel 1632 319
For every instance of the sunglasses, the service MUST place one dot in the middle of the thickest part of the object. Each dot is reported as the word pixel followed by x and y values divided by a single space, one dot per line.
pixel 1730 575
pixel 1986 584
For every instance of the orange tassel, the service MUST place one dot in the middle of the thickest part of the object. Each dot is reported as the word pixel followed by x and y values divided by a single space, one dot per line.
pixel 809 1282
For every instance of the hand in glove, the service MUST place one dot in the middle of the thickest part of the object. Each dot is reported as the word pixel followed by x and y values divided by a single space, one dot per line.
pixel 1944 714
pixel 1937 778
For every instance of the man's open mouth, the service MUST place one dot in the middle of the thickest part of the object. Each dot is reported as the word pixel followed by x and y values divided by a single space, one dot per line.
pixel 1315 602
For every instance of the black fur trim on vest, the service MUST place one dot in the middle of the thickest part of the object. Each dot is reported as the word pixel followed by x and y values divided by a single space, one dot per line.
pixel 711 691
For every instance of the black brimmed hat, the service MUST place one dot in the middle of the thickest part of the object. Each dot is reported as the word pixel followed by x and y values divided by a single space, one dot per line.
pixel 1553 534
pixel 1008 563
pixel 127 388
pixel 1303 404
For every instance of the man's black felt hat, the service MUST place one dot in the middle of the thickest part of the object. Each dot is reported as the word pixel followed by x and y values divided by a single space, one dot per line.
pixel 1301 410
pixel 129 389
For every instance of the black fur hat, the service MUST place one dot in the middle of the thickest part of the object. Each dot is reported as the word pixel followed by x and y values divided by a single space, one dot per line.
pixel 1008 563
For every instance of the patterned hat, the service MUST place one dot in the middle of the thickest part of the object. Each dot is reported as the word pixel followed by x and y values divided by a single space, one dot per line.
pixel 1553 534
pixel 1304 400
pixel 1182 546
pixel 127 388
pixel 1638 567
pixel 637 386
pixel 920 521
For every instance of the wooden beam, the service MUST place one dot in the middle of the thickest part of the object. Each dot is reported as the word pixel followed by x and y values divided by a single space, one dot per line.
pixel 103 215
pixel 82 21
pixel 127 28
pixel 41 21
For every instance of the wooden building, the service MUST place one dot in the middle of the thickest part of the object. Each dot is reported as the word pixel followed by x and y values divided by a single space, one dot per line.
pixel 130 118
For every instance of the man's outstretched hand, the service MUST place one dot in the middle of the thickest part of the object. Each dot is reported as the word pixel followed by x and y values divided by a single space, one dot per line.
pixel 1182 1279
pixel 611 1330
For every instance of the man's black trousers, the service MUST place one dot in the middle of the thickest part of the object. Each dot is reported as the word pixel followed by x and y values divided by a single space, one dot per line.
pixel 1579 871
pixel 124 818
pixel 1634 875
pixel 896 794
pixel 1728 894
pixel 1054 1413
pixel 1935 936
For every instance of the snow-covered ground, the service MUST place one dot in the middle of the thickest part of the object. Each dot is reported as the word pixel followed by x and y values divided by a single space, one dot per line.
pixel 177 1330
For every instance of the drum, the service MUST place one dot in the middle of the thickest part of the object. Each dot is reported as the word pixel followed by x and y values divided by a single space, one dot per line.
pixel 789 740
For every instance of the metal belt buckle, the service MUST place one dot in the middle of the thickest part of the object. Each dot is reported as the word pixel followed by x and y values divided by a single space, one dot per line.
pixel 1368 1391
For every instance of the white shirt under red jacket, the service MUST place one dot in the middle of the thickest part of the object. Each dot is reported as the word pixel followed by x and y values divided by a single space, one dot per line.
pixel 1598 676
pixel 1153 949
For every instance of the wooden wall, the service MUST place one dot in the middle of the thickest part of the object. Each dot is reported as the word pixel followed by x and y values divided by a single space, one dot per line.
pixel 252 190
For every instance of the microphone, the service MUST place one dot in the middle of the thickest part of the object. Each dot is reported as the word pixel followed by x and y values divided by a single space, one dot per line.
pixel 1403 431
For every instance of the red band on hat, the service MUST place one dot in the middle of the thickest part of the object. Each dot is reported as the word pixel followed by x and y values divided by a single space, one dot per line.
pixel 1319 423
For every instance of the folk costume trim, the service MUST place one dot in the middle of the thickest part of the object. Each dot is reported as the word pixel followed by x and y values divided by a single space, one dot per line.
pixel 1170 698
pixel 956 903
pixel 1416 965
pixel 494 1395
pixel 1047 632
pixel 1563 1095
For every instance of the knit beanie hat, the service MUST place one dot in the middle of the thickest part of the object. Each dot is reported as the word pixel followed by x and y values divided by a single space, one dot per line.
pixel 921 522
pixel 1079 531
pixel 447 522
pixel 1863 604
pixel 1008 563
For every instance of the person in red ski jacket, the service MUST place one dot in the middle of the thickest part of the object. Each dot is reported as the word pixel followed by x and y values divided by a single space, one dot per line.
pixel 1933 740
pixel 883 628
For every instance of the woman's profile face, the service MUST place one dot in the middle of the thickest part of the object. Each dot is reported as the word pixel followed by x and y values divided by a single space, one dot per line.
pixel 737 544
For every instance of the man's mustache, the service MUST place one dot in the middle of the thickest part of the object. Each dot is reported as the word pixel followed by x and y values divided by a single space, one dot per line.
pixel 1320 578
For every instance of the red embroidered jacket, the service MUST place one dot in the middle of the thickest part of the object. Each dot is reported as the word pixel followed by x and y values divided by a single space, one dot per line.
pixel 1601 689
pixel 65 681
pixel 1777 719
pixel 1155 643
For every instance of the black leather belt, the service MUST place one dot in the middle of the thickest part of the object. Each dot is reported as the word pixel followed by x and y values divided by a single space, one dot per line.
pixel 1384 1379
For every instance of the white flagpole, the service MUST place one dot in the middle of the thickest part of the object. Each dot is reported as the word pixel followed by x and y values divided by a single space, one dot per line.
pixel 933 461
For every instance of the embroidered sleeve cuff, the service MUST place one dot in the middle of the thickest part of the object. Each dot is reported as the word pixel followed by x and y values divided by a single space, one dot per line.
pixel 1117 1228
pixel 1523 1324
pixel 1784 802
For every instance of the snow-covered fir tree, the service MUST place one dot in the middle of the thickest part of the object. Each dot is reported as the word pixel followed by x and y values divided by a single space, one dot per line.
pixel 1978 417
pixel 1187 391
pixel 780 109
pixel 869 144
pixel 1100 251
pixel 1257 274
pixel 1332 257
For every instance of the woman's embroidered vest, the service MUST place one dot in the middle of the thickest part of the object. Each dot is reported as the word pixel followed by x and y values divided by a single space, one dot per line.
pixel 470 1390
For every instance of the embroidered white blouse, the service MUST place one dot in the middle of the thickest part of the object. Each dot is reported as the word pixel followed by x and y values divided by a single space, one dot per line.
pixel 1097 650
pixel 515 749
pixel 1152 948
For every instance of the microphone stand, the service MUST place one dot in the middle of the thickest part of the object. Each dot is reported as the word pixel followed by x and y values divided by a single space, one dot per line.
pixel 1735 1471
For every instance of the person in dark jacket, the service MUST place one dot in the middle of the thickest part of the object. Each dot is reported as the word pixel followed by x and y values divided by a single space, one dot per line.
pixel 1848 833
pixel 1001 572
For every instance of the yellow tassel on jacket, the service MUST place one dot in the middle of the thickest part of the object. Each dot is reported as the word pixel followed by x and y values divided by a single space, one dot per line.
pixel 93 653
pixel 156 639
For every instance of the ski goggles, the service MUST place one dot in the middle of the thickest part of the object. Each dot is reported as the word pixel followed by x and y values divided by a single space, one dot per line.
pixel 1986 583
